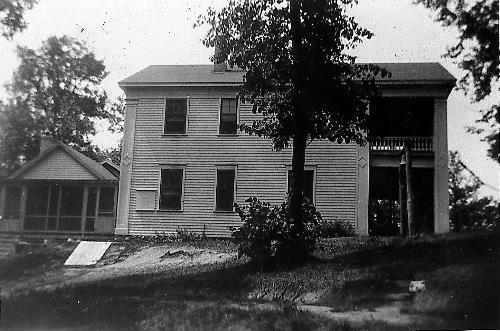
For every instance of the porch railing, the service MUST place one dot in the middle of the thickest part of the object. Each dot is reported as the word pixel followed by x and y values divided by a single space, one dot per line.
pixel 397 143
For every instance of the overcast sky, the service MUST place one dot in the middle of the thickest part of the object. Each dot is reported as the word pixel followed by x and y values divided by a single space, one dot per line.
pixel 130 35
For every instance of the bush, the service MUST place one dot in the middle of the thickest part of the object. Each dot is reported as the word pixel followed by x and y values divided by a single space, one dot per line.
pixel 268 235
pixel 337 228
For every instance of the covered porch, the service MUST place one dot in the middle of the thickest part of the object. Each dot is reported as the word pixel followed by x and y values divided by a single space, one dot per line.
pixel 58 206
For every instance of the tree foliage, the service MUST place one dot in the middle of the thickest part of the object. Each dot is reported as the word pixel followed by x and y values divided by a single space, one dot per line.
pixel 55 91
pixel 12 16
pixel 299 75
pixel 467 210
pixel 477 54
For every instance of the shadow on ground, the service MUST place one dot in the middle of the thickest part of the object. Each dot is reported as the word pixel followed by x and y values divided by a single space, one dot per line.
pixel 461 273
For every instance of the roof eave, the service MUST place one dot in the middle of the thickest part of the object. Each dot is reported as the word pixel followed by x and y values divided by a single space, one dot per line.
pixel 189 84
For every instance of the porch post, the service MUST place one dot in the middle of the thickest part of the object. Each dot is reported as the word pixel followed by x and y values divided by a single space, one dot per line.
pixel 84 208
pixel 441 199
pixel 123 211
pixel 22 205
pixel 2 200
pixel 363 170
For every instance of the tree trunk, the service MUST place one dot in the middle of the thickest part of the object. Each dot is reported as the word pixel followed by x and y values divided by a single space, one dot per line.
pixel 409 191
pixel 300 135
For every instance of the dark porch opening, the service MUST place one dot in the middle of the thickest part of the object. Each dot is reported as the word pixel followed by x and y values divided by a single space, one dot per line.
pixel 68 208
pixel 383 206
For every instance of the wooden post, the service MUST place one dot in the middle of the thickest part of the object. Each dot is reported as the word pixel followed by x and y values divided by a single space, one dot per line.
pixel 402 196
pixel 83 222
pixel 409 191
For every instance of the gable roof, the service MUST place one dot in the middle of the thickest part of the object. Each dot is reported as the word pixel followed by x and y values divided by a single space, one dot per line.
pixel 111 167
pixel 91 165
pixel 203 75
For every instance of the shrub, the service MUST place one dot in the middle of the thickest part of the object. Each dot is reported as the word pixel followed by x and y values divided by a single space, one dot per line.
pixel 268 235
pixel 336 228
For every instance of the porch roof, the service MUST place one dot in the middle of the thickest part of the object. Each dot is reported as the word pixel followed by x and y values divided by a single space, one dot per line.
pixel 96 170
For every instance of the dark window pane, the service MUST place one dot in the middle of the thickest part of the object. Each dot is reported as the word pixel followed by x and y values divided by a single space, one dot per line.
pixel 12 202
pixel 228 116
pixel 175 116
pixel 71 201
pixel 33 223
pixel 54 200
pixel 107 201
pixel 308 190
pixel 91 201
pixel 225 189
pixel 171 189
pixel 37 200
pixel 70 224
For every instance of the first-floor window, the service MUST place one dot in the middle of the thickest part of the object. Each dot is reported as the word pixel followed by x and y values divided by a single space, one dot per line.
pixel 171 188
pixel 308 190
pixel 225 189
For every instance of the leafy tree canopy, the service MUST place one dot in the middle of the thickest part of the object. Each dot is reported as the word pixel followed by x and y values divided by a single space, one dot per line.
pixel 476 52
pixel 313 75
pixel 54 91
pixel 299 75
pixel 467 210
pixel 12 16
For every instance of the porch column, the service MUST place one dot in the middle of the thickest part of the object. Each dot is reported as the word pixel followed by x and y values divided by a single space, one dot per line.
pixel 441 199
pixel 2 200
pixel 83 222
pixel 126 168
pixel 22 205
pixel 363 170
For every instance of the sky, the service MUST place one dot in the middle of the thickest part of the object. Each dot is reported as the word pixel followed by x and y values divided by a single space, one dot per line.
pixel 130 35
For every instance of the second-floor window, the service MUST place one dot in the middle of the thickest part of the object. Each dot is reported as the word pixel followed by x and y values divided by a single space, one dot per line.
pixel 171 188
pixel 228 122
pixel 175 116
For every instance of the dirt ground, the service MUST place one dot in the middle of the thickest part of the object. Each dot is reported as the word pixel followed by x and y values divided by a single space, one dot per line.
pixel 352 283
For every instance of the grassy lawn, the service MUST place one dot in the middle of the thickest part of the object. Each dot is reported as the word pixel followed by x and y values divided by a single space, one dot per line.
pixel 351 284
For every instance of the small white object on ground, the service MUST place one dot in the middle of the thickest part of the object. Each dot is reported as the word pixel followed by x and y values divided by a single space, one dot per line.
pixel 417 286
pixel 87 253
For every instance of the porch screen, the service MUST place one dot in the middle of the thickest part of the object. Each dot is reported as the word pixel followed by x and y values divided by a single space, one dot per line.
pixel 12 202
pixel 106 202
pixel 91 209
pixel 71 208
pixel 224 199
pixel 37 202
pixel 171 189
pixel 308 184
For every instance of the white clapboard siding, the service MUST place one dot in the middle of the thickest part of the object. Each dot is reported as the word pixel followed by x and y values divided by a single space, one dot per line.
pixel 58 165
pixel 261 171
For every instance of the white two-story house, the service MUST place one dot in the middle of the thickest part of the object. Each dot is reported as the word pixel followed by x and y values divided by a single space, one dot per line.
pixel 185 163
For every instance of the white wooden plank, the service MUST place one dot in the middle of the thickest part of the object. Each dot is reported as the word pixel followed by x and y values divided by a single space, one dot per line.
pixel 87 253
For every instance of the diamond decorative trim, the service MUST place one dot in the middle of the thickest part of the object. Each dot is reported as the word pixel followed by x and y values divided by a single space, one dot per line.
pixel 126 160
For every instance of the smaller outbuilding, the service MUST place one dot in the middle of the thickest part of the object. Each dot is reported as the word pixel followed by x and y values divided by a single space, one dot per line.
pixel 61 191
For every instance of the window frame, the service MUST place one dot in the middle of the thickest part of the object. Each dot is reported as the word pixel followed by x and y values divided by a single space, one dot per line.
pixel 306 168
pixel 172 167
pixel 225 167
pixel 165 116
pixel 237 117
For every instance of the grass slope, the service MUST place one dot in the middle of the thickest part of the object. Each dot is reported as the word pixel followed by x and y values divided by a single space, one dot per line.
pixel 349 275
